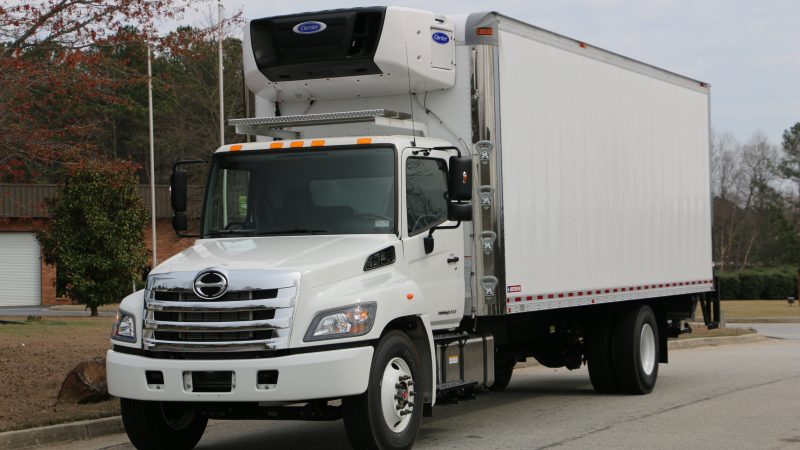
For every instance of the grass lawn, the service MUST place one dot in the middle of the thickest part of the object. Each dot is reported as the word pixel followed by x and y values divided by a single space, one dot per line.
pixel 35 356
pixel 736 309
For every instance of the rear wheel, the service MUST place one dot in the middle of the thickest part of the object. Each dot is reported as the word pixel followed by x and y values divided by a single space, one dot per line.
pixel 636 350
pixel 388 414
pixel 599 356
pixel 157 425
pixel 503 369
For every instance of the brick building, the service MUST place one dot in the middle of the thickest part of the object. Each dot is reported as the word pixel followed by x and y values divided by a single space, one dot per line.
pixel 24 277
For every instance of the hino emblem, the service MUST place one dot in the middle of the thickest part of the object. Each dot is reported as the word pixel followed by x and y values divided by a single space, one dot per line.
pixel 210 285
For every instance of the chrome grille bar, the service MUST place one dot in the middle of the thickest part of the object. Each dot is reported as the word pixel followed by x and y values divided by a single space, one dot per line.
pixel 221 346
pixel 244 305
pixel 244 325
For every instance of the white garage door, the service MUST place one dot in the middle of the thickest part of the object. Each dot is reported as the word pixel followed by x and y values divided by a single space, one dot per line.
pixel 20 270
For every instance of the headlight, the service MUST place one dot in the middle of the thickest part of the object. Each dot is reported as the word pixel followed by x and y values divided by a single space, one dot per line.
pixel 354 320
pixel 124 328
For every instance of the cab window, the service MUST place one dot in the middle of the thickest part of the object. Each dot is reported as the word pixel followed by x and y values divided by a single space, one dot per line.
pixel 426 191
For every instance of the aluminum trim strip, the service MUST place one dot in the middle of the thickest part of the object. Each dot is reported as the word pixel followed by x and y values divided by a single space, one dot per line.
pixel 540 305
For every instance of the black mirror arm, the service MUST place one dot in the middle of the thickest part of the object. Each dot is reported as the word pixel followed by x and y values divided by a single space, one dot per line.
pixel 428 240
pixel 450 227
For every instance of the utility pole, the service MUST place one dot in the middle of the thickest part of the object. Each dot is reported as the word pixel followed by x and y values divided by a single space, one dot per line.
pixel 221 10
pixel 152 151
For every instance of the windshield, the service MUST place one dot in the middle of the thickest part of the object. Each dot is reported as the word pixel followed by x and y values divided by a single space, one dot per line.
pixel 320 191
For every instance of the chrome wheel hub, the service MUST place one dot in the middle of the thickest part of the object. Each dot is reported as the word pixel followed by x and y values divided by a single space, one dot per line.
pixel 397 395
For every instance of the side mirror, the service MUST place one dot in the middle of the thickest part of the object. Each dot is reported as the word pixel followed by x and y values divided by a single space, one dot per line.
pixel 461 212
pixel 179 222
pixel 459 179
pixel 179 188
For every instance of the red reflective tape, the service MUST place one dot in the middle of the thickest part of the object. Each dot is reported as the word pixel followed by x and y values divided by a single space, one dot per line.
pixel 517 299
pixel 560 295
pixel 530 297
pixel 607 291
pixel 570 294
pixel 540 297
pixel 549 295
pixel 616 290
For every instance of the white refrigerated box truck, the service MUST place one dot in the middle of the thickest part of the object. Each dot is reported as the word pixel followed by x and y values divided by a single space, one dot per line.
pixel 428 200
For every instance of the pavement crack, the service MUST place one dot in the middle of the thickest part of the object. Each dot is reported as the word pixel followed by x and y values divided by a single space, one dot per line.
pixel 665 410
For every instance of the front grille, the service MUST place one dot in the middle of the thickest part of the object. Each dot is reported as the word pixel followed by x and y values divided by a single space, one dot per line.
pixel 190 296
pixel 217 316
pixel 222 336
pixel 177 320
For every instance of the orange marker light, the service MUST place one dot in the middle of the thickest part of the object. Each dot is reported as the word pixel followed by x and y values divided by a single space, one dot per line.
pixel 484 31
pixel 318 143
pixel 296 144
pixel 364 141
pixel 582 44
pixel 410 296
pixel 276 144
pixel 235 148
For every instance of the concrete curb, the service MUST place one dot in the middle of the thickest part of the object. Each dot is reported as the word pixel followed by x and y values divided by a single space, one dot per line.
pixel 714 341
pixel 65 432
pixel 103 308
pixel 88 429
pixel 764 320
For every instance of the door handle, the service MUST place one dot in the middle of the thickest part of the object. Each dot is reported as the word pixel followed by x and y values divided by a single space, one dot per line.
pixel 452 259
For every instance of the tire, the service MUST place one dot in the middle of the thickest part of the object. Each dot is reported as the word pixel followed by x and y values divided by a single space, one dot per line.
pixel 159 425
pixel 503 370
pixel 599 359
pixel 636 350
pixel 372 420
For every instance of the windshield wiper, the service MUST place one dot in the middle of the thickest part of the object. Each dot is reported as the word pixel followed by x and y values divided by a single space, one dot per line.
pixel 231 232
pixel 292 231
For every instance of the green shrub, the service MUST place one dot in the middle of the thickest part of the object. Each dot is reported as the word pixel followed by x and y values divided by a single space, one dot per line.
pixel 779 285
pixel 758 284
pixel 728 285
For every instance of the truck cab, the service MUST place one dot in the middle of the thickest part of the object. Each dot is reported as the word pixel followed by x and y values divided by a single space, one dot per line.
pixel 310 252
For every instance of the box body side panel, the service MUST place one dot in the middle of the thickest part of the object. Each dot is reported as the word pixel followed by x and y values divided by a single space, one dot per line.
pixel 605 176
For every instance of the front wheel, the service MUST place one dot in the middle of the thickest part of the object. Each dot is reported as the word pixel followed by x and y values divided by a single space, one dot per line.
pixel 158 425
pixel 636 350
pixel 388 415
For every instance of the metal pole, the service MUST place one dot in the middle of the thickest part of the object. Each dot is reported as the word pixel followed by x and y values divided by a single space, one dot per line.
pixel 221 73
pixel 152 151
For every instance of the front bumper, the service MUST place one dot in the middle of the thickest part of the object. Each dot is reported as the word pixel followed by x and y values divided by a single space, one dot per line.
pixel 307 376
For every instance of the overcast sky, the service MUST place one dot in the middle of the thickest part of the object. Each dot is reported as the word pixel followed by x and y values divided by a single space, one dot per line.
pixel 748 50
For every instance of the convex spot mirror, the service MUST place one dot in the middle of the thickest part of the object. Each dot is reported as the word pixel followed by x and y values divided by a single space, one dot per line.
pixel 459 179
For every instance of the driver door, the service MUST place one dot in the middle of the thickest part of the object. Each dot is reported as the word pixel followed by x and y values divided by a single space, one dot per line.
pixel 439 274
